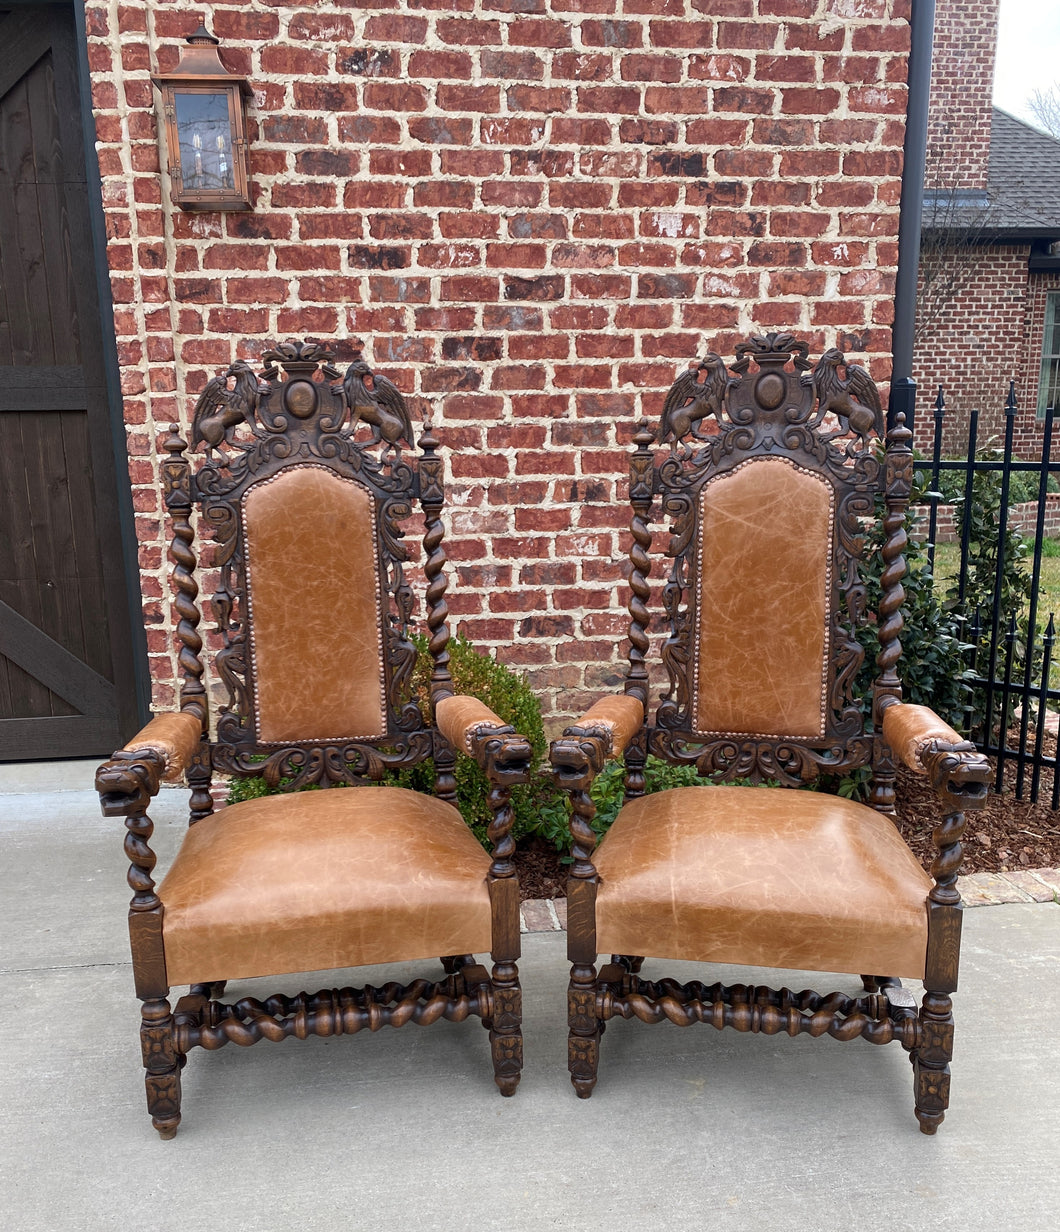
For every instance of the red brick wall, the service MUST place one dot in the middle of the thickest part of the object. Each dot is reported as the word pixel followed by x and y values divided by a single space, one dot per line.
pixel 1023 517
pixel 974 347
pixel 990 334
pixel 531 213
pixel 1028 435
pixel 962 82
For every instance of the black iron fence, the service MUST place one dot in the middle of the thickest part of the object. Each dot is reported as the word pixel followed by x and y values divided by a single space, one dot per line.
pixel 997 512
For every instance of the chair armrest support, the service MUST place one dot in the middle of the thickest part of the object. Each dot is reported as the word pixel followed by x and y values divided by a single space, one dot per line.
pixel 603 732
pixel 578 756
pixel 958 772
pixel 471 727
pixel 172 739
pixel 126 784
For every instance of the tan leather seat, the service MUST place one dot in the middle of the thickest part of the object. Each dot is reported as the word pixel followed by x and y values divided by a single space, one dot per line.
pixel 323 880
pixel 722 874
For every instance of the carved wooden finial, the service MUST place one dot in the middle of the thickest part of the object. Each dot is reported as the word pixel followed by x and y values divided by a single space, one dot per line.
pixel 174 444
pixel 428 441
pixel 643 437
pixel 899 434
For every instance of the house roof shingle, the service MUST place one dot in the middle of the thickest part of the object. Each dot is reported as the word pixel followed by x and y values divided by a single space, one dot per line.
pixel 1022 197
pixel 1024 176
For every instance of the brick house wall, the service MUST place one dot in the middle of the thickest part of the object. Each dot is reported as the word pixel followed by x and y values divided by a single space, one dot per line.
pixel 991 331
pixel 974 348
pixel 530 214
pixel 962 82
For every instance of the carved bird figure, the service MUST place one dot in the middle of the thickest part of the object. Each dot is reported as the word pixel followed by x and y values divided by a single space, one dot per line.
pixel 226 401
pixel 695 394
pixel 378 402
pixel 854 400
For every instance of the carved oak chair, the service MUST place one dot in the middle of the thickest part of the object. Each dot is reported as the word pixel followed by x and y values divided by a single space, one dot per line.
pixel 313 611
pixel 763 595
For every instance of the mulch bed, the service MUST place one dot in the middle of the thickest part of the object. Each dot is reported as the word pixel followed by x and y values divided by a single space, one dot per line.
pixel 1007 834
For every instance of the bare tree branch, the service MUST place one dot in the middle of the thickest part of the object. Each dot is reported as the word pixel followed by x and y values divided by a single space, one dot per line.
pixel 1044 105
pixel 956 223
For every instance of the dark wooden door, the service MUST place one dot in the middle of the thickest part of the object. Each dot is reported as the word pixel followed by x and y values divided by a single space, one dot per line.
pixel 66 679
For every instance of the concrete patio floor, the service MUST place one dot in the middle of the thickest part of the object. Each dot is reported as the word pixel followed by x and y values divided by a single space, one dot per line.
pixel 405 1128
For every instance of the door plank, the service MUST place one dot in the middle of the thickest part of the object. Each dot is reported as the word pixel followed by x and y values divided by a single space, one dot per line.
pixel 25 38
pixel 18 569
pixel 31 649
pixel 68 736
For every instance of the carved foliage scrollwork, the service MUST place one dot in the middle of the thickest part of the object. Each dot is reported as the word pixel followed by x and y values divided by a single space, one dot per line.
pixel 771 402
pixel 301 409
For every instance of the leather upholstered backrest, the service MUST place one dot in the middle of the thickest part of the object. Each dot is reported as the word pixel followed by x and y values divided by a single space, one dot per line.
pixel 769 486
pixel 763 600
pixel 314 606
pixel 306 486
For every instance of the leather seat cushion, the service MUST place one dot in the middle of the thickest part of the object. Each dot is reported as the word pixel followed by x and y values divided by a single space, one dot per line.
pixel 324 879
pixel 765 877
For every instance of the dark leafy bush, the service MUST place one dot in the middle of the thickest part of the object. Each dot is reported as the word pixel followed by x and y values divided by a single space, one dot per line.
pixel 933 667
pixel 510 697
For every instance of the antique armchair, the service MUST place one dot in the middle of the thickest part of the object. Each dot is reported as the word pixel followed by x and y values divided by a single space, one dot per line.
pixel 763 596
pixel 313 611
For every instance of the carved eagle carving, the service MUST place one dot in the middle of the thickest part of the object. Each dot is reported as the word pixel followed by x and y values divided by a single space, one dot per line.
pixel 854 400
pixel 379 403
pixel 226 401
pixel 695 394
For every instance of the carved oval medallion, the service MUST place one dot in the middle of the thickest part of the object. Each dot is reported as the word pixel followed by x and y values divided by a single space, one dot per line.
pixel 769 390
pixel 300 398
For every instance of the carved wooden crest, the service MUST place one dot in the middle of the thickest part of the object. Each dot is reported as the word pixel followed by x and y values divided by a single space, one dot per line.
pixel 253 426
pixel 820 420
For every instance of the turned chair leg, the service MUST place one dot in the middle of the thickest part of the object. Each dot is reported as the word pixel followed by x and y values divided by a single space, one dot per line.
pixel 631 962
pixel 505 1027
pixel 931 1069
pixel 583 1040
pixel 162 1064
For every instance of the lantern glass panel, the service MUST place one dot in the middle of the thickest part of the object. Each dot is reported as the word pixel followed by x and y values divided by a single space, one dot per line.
pixel 204 130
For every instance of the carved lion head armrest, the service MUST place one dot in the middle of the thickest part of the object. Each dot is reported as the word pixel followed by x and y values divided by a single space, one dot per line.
pixel 471 727
pixel 127 782
pixel 958 772
pixel 604 731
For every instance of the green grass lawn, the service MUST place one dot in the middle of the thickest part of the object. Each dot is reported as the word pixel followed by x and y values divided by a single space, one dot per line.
pixel 947 565
pixel 948 561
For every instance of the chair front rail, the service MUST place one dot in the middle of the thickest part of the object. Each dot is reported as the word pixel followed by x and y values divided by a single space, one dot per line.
pixel 200 1022
pixel 879 1018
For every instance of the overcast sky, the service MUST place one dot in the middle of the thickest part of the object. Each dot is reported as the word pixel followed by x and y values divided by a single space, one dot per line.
pixel 1028 52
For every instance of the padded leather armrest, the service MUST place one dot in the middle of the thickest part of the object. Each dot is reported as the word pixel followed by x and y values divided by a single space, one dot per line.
pixel 173 738
pixel 460 719
pixel 604 731
pixel 617 719
pixel 471 727
pixel 908 730
pixel 959 773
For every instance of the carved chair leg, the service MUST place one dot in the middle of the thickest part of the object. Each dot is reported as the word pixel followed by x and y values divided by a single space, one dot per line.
pixel 452 963
pixel 631 962
pixel 162 1064
pixel 505 1027
pixel 583 1041
pixel 931 1069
